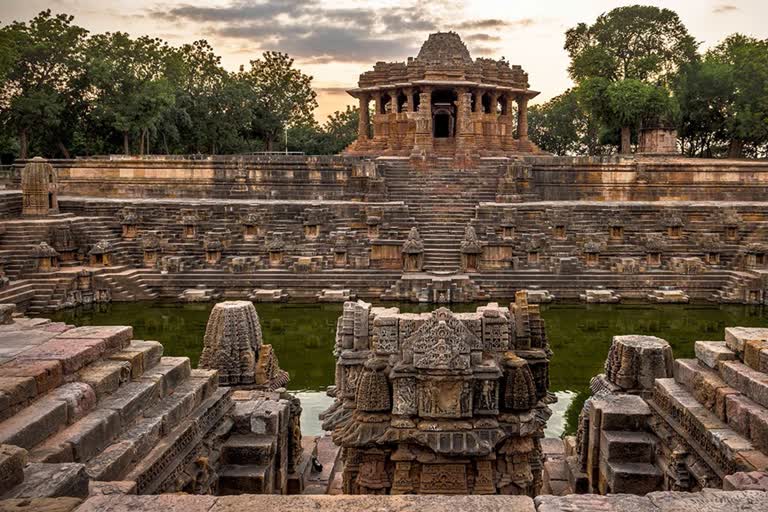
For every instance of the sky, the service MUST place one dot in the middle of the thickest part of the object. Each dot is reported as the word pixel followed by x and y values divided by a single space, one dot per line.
pixel 336 40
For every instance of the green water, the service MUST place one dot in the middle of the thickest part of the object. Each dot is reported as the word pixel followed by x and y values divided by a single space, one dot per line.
pixel 302 336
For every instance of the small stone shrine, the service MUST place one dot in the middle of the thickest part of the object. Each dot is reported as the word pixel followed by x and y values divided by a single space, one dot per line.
pixel 441 402
pixel 38 188
pixel 233 345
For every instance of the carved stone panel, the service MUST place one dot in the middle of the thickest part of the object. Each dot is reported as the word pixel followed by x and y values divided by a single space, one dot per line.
pixel 444 479
pixel 445 399
pixel 404 399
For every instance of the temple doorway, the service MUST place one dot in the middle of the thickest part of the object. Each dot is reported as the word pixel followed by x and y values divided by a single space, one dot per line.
pixel 443 114
pixel 442 125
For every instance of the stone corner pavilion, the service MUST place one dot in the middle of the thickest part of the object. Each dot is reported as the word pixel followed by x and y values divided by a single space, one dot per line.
pixel 443 103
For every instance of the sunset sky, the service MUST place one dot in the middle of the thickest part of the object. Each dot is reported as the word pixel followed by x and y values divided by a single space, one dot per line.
pixel 336 40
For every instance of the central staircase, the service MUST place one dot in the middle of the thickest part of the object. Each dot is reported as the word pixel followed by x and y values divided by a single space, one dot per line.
pixel 442 201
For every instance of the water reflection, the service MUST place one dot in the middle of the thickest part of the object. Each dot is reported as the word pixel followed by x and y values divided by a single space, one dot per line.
pixel 302 336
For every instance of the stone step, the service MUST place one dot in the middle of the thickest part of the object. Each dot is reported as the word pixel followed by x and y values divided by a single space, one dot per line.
pixel 724 450
pixel 151 471
pixel 250 449
pixel 51 481
pixel 628 477
pixel 245 479
pixel 619 446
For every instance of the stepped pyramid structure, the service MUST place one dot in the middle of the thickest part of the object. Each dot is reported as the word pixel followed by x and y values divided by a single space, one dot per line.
pixel 654 423
pixel 90 410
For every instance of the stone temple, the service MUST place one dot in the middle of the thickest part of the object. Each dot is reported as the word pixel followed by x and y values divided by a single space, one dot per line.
pixel 443 102
pixel 441 200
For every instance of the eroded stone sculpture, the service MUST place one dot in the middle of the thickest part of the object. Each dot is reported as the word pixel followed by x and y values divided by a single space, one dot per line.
pixel 440 402
pixel 233 345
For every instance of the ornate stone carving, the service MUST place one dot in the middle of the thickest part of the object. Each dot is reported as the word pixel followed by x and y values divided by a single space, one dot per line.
pixel 417 406
pixel 232 341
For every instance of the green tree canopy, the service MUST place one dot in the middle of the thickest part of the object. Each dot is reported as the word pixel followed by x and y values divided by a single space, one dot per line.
pixel 563 126
pixel 283 95
pixel 635 42
pixel 42 65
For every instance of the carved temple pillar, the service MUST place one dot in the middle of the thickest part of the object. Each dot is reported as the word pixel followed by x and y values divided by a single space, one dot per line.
pixel 465 129
pixel 363 121
pixel 495 133
pixel 508 141
pixel 423 143
pixel 522 123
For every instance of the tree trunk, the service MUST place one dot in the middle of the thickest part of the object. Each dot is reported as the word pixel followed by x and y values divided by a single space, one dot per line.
pixel 269 143
pixel 126 145
pixel 736 148
pixel 141 141
pixel 626 140
pixel 64 150
pixel 23 144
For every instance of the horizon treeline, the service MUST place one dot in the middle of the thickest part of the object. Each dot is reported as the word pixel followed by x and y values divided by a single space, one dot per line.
pixel 65 92
pixel 638 66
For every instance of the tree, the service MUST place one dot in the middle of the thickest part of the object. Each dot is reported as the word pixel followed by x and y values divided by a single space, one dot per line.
pixel 563 126
pixel 130 85
pixel 43 85
pixel 283 96
pixel 634 42
pixel 628 104
pixel 746 114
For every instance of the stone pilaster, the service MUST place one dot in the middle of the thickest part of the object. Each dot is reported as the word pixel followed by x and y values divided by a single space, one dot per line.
pixel 522 123
pixel 423 143
pixel 364 118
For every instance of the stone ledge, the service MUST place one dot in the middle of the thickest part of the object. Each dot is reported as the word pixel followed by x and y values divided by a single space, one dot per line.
pixel 318 503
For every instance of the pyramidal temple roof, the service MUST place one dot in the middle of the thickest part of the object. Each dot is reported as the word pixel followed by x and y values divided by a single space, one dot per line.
pixel 444 47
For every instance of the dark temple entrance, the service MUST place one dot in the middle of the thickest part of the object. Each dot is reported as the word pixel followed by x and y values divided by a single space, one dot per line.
pixel 443 114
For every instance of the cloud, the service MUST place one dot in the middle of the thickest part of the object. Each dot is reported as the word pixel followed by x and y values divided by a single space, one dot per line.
pixel 312 32
pixel 481 38
pixel 724 8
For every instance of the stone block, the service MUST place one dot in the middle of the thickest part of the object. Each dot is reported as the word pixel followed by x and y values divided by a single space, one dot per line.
pixel 710 352
pixel 245 479
pixel 750 382
pixel 721 397
pixel 209 377
pixel 115 337
pixel 627 446
pixel 16 390
pixel 51 481
pixel 34 423
pixel 174 408
pixel 683 370
pixel 553 448
pixel 47 374
pixel 132 398
pixel 628 477
pixel 78 396
pixel 577 478
pixel 622 412
pixel 593 503
pixel 752 350
pixel 141 355
pixel 168 373
pixel 12 462
pixel 105 376
pixel 737 337
pixel 751 481
pixel 6 313
pixel 96 488
pixel 112 462
pixel 249 449
pixel 708 500
pixel 61 504
pixel 86 438
pixel 73 353
pixel 555 470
